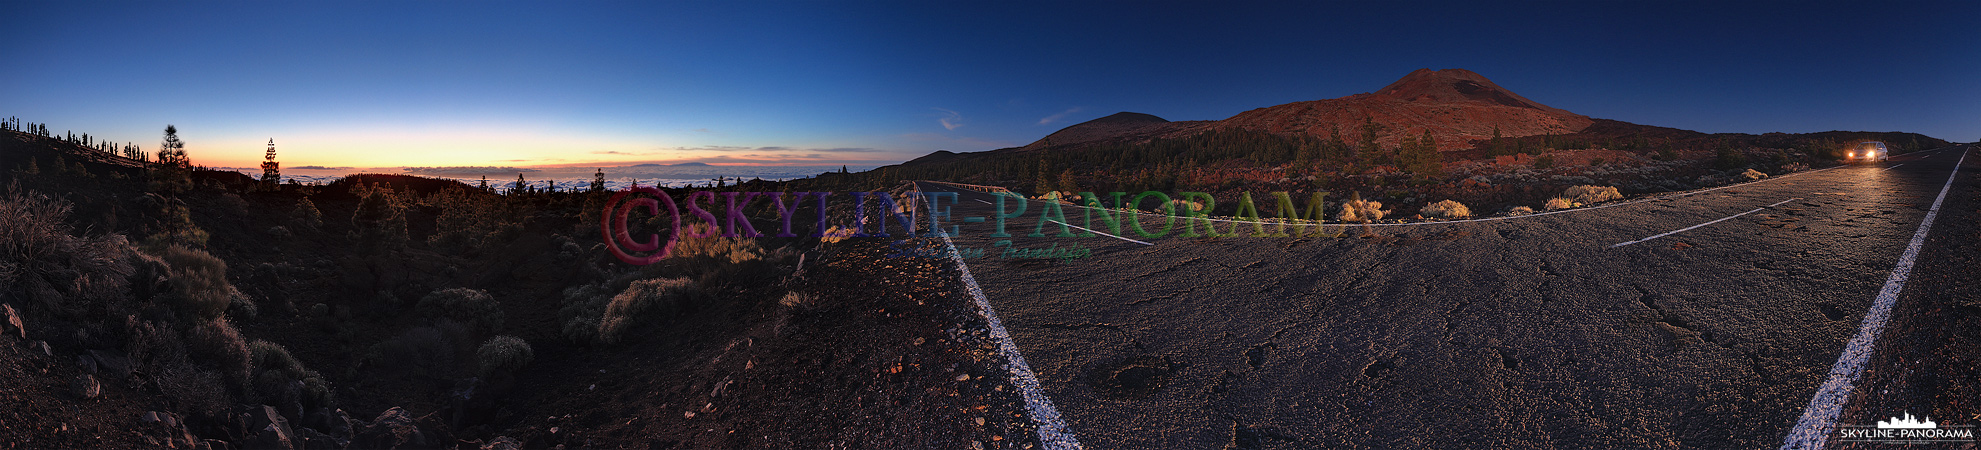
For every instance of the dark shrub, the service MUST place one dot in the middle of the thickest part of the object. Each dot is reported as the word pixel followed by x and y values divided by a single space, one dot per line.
pixel 471 307
pixel 198 281
pixel 504 354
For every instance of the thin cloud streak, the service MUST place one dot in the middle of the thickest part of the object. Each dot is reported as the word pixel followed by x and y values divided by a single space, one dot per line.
pixel 950 120
pixel 1057 117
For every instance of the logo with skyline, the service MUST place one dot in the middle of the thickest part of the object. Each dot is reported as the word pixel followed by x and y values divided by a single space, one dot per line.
pixel 1907 429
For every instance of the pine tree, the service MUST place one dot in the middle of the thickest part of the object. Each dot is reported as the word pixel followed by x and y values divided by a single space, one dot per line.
pixel 174 172
pixel 520 184
pixel 598 180
pixel 271 171
pixel 484 182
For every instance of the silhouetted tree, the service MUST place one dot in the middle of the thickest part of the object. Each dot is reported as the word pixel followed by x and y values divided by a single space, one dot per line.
pixel 174 170
pixel 598 180
pixel 271 171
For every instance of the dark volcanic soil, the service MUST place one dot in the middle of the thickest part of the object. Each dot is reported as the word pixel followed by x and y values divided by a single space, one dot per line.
pixel 887 354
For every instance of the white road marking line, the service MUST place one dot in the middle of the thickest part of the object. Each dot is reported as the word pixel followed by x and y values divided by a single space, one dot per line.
pixel 1722 219
pixel 1103 233
pixel 1894 166
pixel 1813 429
pixel 1052 431
pixel 979 200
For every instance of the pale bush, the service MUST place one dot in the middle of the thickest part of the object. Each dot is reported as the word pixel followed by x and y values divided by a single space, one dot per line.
pixel 1559 203
pixel 793 299
pixel 736 250
pixel 1358 210
pixel 1752 175
pixel 1519 211
pixel 1448 209
pixel 664 297
pixel 1590 195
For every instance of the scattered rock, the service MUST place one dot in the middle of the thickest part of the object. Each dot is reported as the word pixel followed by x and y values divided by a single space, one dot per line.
pixel 86 364
pixel 41 346
pixel 272 437
pixel 111 363
pixel 213 444
pixel 159 419
pixel 394 428
pixel 14 318
pixel 502 443
pixel 963 377
pixel 86 386
pixel 314 440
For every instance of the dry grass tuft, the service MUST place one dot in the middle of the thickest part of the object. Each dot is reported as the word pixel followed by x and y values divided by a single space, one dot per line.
pixel 1559 203
pixel 1448 209
pixel 1590 195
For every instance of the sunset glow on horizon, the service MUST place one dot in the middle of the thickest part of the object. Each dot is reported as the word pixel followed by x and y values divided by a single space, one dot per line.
pixel 365 84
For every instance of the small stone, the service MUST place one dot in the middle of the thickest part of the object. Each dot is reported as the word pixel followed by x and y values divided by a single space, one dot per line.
pixel 41 346
pixel 688 414
pixel 974 445
pixel 87 387
pixel 919 341
pixel 963 377
pixel 503 443
pixel 980 421
pixel 14 318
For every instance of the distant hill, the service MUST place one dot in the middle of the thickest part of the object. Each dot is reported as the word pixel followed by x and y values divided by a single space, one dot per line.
pixel 1115 126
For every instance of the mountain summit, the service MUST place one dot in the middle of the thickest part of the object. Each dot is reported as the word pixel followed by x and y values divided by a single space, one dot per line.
pixel 1454 105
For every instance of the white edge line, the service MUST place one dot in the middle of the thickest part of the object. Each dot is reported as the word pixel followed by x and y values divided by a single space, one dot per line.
pixel 1722 219
pixel 1812 431
pixel 1103 233
pixel 1894 166
pixel 1052 431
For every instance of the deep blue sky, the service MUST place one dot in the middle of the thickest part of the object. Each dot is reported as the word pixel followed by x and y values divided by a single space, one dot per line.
pixel 474 83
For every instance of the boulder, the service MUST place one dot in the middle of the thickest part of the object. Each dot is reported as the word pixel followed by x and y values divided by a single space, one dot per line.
pixel 502 443
pixel 112 363
pixel 272 437
pixel 159 419
pixel 394 429
pixel 86 387
pixel 314 440
pixel 259 419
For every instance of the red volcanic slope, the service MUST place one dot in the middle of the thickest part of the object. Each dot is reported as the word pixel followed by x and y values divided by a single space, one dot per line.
pixel 1454 104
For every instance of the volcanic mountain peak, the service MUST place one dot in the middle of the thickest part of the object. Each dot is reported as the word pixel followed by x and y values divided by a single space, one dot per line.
pixel 1453 105
pixel 1455 85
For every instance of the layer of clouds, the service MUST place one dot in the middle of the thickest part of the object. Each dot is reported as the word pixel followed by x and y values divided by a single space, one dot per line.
pixel 466 170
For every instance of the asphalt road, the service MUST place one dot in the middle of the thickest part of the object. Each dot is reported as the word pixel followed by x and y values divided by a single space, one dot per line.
pixel 1525 333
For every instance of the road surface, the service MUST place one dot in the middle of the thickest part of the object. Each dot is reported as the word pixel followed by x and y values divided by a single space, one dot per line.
pixel 1532 332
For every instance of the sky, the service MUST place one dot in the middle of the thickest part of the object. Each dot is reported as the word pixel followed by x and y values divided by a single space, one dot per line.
pixel 458 83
